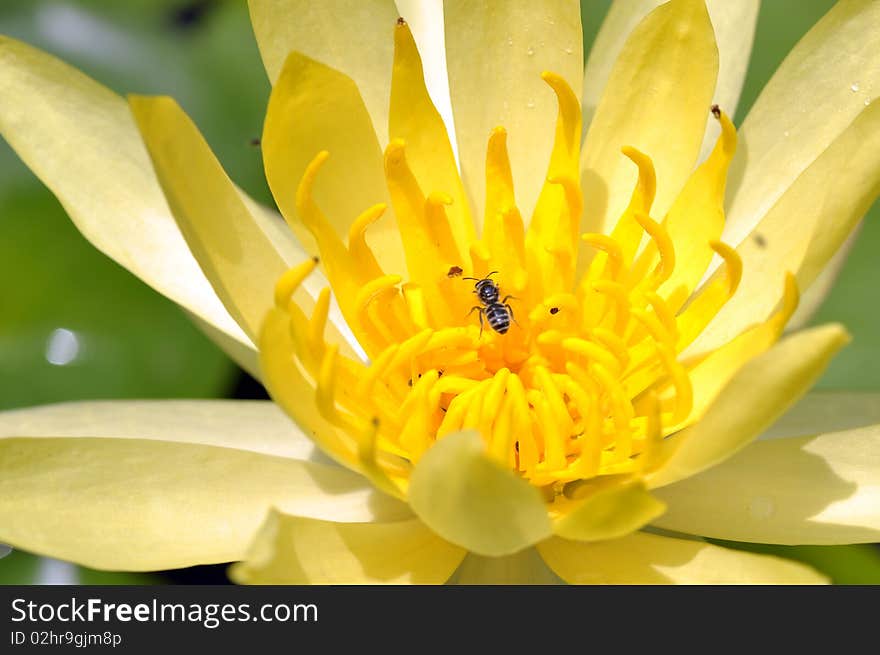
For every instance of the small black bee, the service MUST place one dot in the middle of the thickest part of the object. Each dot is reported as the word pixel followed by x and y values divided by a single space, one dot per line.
pixel 498 313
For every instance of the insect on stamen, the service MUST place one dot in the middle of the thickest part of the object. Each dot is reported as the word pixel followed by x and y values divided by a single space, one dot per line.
pixel 497 312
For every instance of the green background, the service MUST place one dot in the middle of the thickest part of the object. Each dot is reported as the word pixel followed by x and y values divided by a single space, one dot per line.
pixel 133 343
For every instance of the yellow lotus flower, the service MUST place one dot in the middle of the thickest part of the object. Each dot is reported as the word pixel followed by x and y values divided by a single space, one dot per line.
pixel 607 386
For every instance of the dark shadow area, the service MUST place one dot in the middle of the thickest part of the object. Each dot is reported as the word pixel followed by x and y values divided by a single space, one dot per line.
pixel 245 387
pixel 190 15
pixel 209 574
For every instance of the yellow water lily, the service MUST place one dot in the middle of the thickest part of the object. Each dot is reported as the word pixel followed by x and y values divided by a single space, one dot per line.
pixel 588 416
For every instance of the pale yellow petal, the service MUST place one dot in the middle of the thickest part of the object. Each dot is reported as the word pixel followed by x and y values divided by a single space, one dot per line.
pixel 245 356
pixel 295 550
pixel 696 219
pixel 642 558
pixel 297 393
pixel 496 52
pixel 657 100
pixel 134 504
pixel 351 36
pixel 278 232
pixel 425 19
pixel 821 489
pixel 255 425
pixel 414 119
pixel 817 292
pixel 273 226
pixel 80 139
pixel 609 513
pixel 812 98
pixel 315 108
pixel 734 25
pixel 827 411
pixel 240 262
pixel 294 392
pixel 760 392
pixel 710 373
pixel 622 18
pixel 470 500
pixel 523 568
pixel 806 226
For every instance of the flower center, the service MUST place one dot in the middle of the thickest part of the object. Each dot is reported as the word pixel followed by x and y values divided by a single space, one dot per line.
pixel 562 349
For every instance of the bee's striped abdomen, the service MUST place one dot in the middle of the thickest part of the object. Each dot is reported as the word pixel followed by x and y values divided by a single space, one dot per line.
pixel 499 317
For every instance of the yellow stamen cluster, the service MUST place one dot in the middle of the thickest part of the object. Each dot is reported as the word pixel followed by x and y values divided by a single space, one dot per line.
pixel 588 379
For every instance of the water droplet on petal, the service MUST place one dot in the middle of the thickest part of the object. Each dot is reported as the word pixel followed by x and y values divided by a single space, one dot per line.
pixel 762 507
pixel 854 87
pixel 786 133
pixel 530 51
pixel 568 51
pixel 530 104
pixel 867 102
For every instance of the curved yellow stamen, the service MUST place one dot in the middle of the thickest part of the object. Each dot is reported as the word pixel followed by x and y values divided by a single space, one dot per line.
pixel 566 379
pixel 369 292
pixel 325 394
pixel 712 297
pixel 610 247
pixel 357 242
pixel 376 370
pixel 415 302
pixel 592 352
pixel 664 313
pixel 568 134
pixel 646 186
pixel 683 390
pixel 318 322
pixel 416 408
pixel 619 297
pixel 291 280
pixel 614 344
pixel 661 240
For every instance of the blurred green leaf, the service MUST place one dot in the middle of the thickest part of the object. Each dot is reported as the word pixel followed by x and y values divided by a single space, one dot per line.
pixel 75 325
pixel 108 334
pixel 850 564
pixel 592 14
pixel 61 298
pixel 854 302
pixel 24 569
